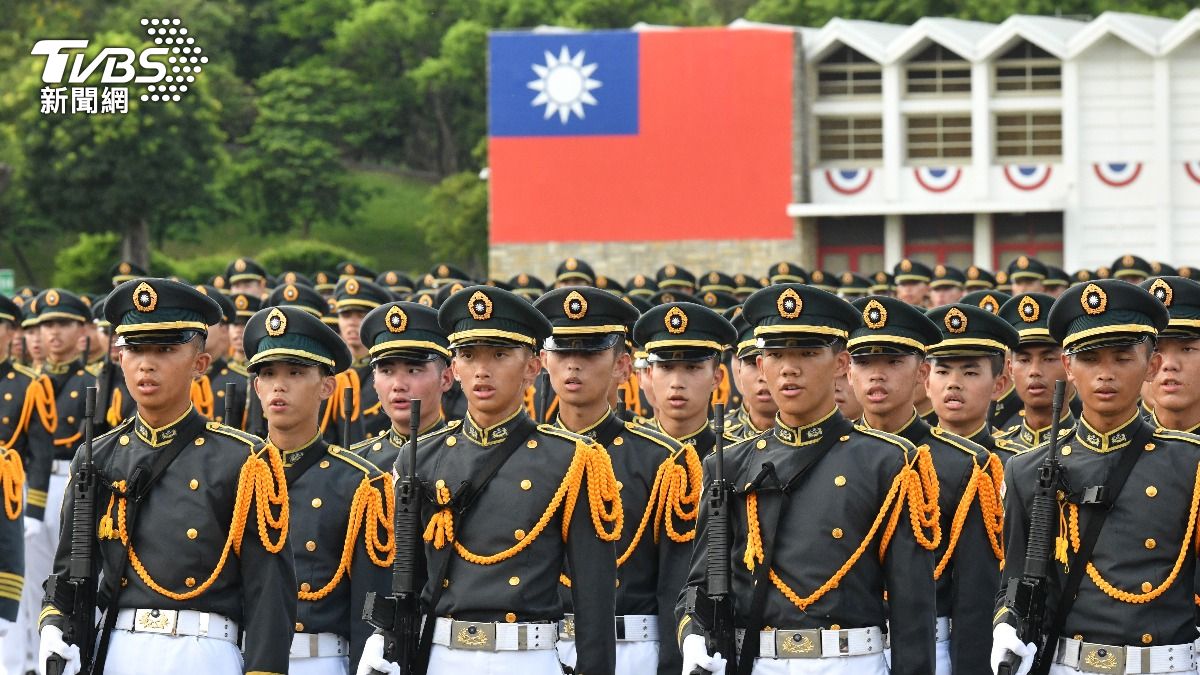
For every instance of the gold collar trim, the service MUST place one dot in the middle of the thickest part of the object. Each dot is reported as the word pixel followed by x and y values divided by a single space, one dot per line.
pixel 491 435
pixel 805 435
pixel 156 438
pixel 1116 439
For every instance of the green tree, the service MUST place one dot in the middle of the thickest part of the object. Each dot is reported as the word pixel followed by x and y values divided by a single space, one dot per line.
pixel 456 229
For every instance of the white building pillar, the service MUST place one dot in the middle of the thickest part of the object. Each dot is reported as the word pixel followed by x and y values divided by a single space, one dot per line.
pixel 893 239
pixel 983 238
pixel 893 134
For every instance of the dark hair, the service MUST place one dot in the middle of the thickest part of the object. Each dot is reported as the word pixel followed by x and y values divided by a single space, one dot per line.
pixel 995 361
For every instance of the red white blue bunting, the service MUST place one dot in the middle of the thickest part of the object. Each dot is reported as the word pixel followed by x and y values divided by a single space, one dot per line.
pixel 937 178
pixel 848 181
pixel 1027 176
pixel 1117 174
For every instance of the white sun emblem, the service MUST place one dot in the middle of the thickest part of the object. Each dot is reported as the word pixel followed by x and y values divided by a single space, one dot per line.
pixel 564 84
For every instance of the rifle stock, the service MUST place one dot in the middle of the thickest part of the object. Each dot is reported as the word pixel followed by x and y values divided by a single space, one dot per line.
pixel 398 616
pixel 75 593
pixel 1026 595
pixel 230 406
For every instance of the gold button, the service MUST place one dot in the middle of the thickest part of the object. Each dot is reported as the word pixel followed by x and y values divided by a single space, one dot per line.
pixel 220 393
pixel 377 447
pixel 445 583
pixel 837 533
pixel 74 394
pixel 1147 638
pixel 1066 450
pixel 192 533
pixel 310 545
pixel 193 483
pixel 1151 491
pixel 324 464
pixel 761 444
pixel 844 439
pixel 8 396
pixel 71 418
pixel 124 582
pixel 519 534
pixel 5 420
pixel 79 372
pixel 219 418
pixel 451 441
pixel 1147 586
pixel 199 441
pixel 189 582
pixel 1149 447
pixel 305 587
pixel 124 440
pixel 1078 636
pixel 510 617
pixel 1150 543
pixel 835 627
pixel 440 483
pixel 224 371
pixel 618 441
pixel 513 581
pixel 299 627
pixel 526 484
pixel 620 486
pixel 839 481
pixel 531 444
pixel 618 583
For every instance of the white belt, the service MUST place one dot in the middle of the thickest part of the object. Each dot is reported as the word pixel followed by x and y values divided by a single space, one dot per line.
pixel 1089 657
pixel 629 627
pixel 943 628
pixel 494 637
pixel 177 622
pixel 312 645
pixel 817 643
pixel 61 467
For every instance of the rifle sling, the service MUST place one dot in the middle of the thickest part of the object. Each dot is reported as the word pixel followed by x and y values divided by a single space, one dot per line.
pixel 758 601
pixel 1066 599
pixel 496 459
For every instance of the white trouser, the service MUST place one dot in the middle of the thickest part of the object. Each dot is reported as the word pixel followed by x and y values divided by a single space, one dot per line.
pixel 145 653
pixel 446 661
pixel 633 658
pixel 319 665
pixel 18 649
pixel 867 664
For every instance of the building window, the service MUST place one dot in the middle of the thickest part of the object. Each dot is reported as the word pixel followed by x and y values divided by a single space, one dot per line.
pixel 947 239
pixel 937 137
pixel 848 73
pixel 845 139
pixel 851 244
pixel 1029 135
pixel 937 70
pixel 1037 235
pixel 1028 69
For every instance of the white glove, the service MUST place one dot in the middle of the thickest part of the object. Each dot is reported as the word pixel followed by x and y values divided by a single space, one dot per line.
pixel 5 624
pixel 695 655
pixel 1005 640
pixel 33 527
pixel 372 658
pixel 567 655
pixel 52 644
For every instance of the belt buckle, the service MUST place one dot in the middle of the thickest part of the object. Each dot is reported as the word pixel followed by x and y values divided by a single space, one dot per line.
pixel 1095 658
pixel 798 644
pixel 480 637
pixel 162 621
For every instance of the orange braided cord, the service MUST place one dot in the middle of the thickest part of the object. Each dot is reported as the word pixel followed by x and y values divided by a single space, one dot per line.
pixel 27 406
pixel 70 440
pixel 1139 598
pixel 202 396
pixel 41 391
pixel 530 394
pixel 721 393
pixel 992 506
pixel 369 506
pixel 12 477
pixel 683 489
pixel 113 416
pixel 922 492
pixel 754 549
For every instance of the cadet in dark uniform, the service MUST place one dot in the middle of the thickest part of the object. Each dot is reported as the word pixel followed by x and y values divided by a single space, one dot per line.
pixel 787 273
pixel 641 286
pixel 967 370
pixel 1132 268
pixel 341 532
pixel 887 356
pixel 354 298
pixel 208 392
pixel 14 381
pixel 684 343
pixel 882 283
pixel 1174 387
pixel 246 276
pixel 1035 364
pixel 756 414
pixel 551 504
pixel 946 286
pixel 979 279
pixel 245 305
pixel 1135 611
pixel 396 282
pixel 410 358
pixel 671 277
pixel 201 555
pixel 1057 280
pixel 124 271
pixel 1027 275
pixel 583 357
pixel 527 286
pixel 853 286
pixel 823 610
pixel 912 282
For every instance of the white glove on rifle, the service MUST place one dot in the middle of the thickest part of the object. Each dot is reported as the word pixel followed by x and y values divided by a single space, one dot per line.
pixel 52 644
pixel 372 658
pixel 1005 640
pixel 695 655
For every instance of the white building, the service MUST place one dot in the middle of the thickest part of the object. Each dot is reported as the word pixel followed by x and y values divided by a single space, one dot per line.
pixel 963 142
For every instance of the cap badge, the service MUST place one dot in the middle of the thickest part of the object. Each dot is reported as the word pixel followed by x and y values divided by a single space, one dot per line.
pixel 670 270
pixel 713 277
pixel 1029 309
pixel 523 279
pixel 675 320
pixel 290 293
pixel 1083 275
pixel 289 278
pixel 601 282
pixel 575 306
pixel 1002 277
pixel 1127 261
pixel 940 270
pixel 710 299
pixel 391 278
pixel 881 277
pixel 818 277
pixel 124 268
pixel 426 300
pixel 668 297
pixel 52 297
pixel 241 302
pixel 875 315
pixel 571 264
pixel 639 280
pixel 989 303
pixel 783 268
pixel 789 304
pixel 847 278
pixel 396 320
pixel 906 265
pixel 239 265
pixel 276 323
pixel 480 306
pixel 352 286
pixel 219 282
pixel 1156 267
pixel 1023 262
pixel 322 278
pixel 1094 300
pixel 972 272
pixel 1162 290
pixel 443 271
pixel 144 298
pixel 955 321
pixel 202 290
pixel 349 269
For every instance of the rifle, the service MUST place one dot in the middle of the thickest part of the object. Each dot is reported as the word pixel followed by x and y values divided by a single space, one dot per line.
pixel 255 424
pixel 713 610
pixel 398 616
pixel 76 592
pixel 622 406
pixel 230 389
pixel 1026 595
pixel 347 404
pixel 104 383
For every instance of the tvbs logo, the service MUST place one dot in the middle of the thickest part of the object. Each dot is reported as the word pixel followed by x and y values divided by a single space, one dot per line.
pixel 175 60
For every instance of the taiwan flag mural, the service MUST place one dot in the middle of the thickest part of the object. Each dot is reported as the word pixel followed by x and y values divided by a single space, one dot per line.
pixel 653 135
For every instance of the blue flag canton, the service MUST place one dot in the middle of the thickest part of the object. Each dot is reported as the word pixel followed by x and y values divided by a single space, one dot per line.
pixel 563 84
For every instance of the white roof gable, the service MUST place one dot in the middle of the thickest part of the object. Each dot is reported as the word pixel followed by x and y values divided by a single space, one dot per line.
pixel 1142 32
pixel 1048 32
